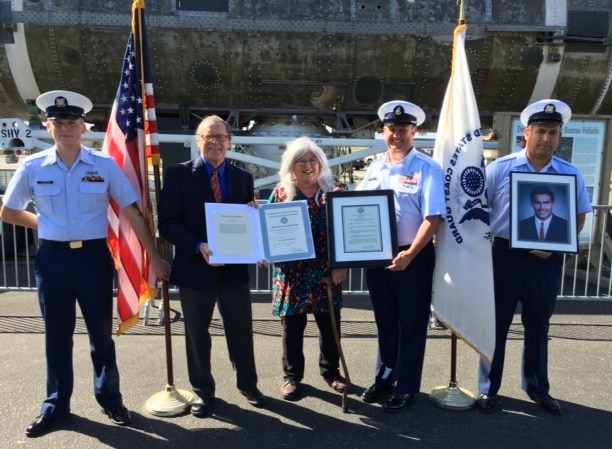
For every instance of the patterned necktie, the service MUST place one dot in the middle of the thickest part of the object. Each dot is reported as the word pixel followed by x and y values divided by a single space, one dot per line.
pixel 216 186
pixel 541 231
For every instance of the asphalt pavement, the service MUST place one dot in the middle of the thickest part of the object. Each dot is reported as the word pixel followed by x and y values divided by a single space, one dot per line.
pixel 580 372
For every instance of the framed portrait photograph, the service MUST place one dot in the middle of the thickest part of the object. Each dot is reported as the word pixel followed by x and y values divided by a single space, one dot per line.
pixel 361 228
pixel 543 212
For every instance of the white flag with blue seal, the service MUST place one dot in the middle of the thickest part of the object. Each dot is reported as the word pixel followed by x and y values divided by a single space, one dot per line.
pixel 463 278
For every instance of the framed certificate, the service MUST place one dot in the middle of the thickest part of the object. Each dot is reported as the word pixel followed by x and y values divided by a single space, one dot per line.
pixel 286 231
pixel 543 212
pixel 277 232
pixel 361 228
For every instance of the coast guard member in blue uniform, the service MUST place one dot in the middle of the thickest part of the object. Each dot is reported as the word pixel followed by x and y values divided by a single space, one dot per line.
pixel 401 292
pixel 71 186
pixel 532 277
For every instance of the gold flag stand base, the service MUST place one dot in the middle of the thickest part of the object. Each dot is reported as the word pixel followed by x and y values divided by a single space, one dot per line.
pixel 170 402
pixel 452 397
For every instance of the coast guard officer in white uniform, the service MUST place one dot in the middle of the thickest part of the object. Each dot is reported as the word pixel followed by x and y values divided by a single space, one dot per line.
pixel 71 186
pixel 531 277
pixel 401 292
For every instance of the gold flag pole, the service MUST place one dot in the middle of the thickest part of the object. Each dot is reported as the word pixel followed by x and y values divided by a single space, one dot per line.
pixel 451 396
pixel 170 401
pixel 461 20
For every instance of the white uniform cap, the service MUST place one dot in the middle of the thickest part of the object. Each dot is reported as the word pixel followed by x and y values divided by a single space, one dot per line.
pixel 400 113
pixel 64 104
pixel 546 111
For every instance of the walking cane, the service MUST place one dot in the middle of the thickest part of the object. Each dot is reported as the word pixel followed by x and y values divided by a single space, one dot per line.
pixel 332 313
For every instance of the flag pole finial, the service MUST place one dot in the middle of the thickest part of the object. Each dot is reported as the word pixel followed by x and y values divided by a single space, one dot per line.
pixel 461 20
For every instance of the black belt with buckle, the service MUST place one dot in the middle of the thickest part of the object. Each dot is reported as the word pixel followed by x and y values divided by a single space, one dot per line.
pixel 406 247
pixel 500 241
pixel 74 244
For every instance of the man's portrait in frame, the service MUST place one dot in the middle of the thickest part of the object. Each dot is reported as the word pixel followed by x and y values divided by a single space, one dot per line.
pixel 543 212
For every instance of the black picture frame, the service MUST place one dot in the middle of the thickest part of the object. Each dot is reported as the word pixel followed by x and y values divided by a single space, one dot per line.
pixel 561 233
pixel 361 228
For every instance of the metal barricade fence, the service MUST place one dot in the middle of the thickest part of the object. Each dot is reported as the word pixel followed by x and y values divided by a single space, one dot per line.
pixel 586 274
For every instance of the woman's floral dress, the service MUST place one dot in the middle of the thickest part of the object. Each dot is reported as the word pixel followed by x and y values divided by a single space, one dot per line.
pixel 298 285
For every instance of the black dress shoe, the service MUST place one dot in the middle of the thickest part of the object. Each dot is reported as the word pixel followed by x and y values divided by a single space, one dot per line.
pixel 547 402
pixel 486 403
pixel 120 415
pixel 254 396
pixel 201 407
pixel 397 402
pixel 375 391
pixel 39 426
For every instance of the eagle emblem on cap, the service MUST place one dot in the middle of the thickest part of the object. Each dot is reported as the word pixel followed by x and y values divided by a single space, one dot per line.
pixel 550 109
pixel 399 110
pixel 61 102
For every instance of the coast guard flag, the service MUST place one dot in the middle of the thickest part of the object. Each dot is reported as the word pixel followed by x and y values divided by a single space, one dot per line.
pixel 131 139
pixel 463 277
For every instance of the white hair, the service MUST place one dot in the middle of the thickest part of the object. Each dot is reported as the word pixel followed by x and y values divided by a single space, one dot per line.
pixel 296 150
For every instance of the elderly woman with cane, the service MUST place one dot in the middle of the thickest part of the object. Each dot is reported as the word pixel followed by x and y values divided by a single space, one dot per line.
pixel 299 286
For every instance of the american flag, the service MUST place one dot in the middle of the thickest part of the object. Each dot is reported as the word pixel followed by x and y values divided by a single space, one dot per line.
pixel 132 140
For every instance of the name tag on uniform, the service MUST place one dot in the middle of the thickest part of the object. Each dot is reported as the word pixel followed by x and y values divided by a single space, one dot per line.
pixel 93 178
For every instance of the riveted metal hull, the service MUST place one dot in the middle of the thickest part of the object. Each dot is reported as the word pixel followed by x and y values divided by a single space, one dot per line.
pixel 323 59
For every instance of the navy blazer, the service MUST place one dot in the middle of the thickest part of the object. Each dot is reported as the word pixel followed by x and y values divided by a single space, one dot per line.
pixel 182 221
pixel 557 230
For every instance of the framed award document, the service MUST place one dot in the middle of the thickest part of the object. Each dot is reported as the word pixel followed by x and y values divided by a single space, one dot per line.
pixel 361 228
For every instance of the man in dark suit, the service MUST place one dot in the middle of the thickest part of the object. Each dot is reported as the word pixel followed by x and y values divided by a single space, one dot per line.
pixel 187 186
pixel 543 225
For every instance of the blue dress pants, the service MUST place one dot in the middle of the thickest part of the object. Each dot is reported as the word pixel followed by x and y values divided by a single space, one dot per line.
pixel 520 276
pixel 65 276
pixel 401 302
